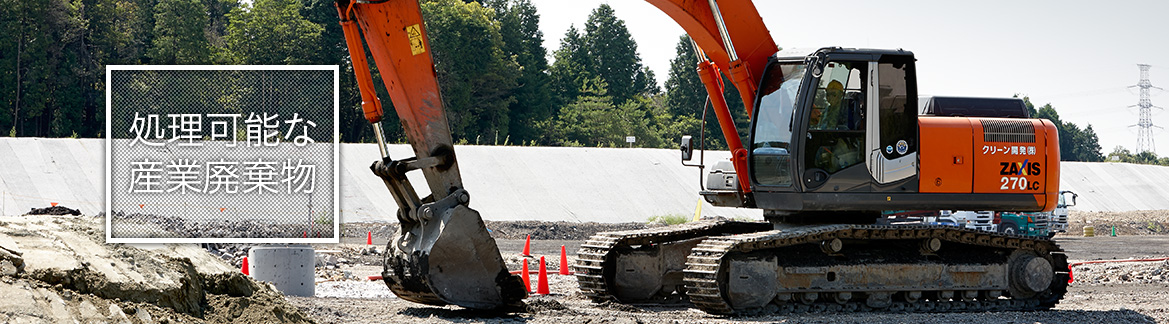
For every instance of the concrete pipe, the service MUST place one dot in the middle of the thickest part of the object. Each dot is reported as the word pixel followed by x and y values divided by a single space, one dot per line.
pixel 289 268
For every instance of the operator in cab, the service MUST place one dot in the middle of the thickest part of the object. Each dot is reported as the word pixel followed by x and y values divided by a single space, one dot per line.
pixel 835 116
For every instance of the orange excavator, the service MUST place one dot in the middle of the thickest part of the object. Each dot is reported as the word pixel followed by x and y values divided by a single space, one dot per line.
pixel 836 141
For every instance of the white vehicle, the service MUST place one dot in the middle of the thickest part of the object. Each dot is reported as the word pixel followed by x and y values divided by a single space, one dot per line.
pixel 1059 217
pixel 980 220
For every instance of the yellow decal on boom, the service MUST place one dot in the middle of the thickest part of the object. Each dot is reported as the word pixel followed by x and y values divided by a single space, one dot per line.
pixel 415 34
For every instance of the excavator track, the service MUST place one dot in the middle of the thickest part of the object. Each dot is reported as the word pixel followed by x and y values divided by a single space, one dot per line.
pixel 596 260
pixel 809 268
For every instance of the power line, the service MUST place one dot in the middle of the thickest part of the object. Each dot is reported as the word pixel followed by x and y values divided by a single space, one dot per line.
pixel 1145 124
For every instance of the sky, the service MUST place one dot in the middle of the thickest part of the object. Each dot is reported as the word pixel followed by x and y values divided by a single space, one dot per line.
pixel 1079 56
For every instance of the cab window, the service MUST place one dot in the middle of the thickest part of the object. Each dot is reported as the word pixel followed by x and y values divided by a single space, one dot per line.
pixel 836 121
pixel 897 103
pixel 770 162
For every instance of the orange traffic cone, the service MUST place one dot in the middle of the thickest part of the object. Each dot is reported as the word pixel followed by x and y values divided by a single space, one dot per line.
pixel 368 238
pixel 542 285
pixel 244 268
pixel 528 246
pixel 563 261
pixel 526 277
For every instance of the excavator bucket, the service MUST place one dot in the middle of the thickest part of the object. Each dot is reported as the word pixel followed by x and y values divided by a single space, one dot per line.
pixel 450 260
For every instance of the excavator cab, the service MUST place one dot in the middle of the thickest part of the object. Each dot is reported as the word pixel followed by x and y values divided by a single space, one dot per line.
pixel 837 121
pixel 838 131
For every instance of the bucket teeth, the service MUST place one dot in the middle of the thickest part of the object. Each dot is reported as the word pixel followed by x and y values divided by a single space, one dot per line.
pixel 451 259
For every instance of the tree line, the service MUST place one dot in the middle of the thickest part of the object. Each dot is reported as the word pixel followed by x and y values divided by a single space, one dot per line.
pixel 499 86
pixel 497 82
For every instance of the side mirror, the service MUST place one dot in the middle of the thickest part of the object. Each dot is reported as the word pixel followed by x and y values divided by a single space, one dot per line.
pixel 1074 195
pixel 687 147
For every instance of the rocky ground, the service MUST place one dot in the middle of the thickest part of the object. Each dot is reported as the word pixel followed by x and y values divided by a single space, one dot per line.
pixel 1136 292
pixel 56 269
pixel 1103 293
pixel 138 225
pixel 1145 222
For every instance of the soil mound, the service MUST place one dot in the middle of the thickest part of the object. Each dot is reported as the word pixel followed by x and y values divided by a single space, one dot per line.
pixel 55 210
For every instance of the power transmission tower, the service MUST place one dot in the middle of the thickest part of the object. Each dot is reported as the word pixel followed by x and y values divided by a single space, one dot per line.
pixel 1145 125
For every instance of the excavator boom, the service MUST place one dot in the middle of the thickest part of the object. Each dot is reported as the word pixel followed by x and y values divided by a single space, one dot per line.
pixel 442 253
pixel 732 38
pixel 731 34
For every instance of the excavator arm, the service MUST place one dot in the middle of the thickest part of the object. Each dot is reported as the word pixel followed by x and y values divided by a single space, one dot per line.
pixel 442 253
pixel 731 37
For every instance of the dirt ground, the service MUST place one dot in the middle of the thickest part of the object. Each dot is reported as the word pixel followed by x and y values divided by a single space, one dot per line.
pixel 57 269
pixel 201 285
pixel 1146 222
pixel 1103 293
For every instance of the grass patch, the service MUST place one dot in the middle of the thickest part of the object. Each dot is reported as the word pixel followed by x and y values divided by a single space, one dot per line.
pixel 671 219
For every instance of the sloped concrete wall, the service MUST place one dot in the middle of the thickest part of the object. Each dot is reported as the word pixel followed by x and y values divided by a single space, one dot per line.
pixel 1116 186
pixel 515 183
pixel 545 183
pixel 35 172
pixel 506 183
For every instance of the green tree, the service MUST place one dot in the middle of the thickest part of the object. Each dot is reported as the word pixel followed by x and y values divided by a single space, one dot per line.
pixel 523 40
pixel 334 51
pixel 1087 145
pixel 570 70
pixel 113 36
pixel 271 32
pixel 45 64
pixel 608 42
pixel 590 119
pixel 476 76
pixel 1121 154
pixel 605 50
pixel 141 14
pixel 217 19
pixel 594 120
pixel 650 121
pixel 1075 144
pixel 179 36
pixel 686 99
pixel 685 94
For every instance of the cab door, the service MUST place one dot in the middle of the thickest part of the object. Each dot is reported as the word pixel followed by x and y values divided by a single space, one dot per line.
pixel 892 120
pixel 834 145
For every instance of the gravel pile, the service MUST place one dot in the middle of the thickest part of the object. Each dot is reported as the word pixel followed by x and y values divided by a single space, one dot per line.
pixel 233 254
pixel 1122 273
pixel 359 230
pixel 511 230
pixel 137 224
pixel 55 210
pixel 518 230
pixel 346 255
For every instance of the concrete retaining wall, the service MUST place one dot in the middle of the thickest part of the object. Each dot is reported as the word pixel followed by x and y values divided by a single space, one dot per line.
pixel 1116 186
pixel 514 183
